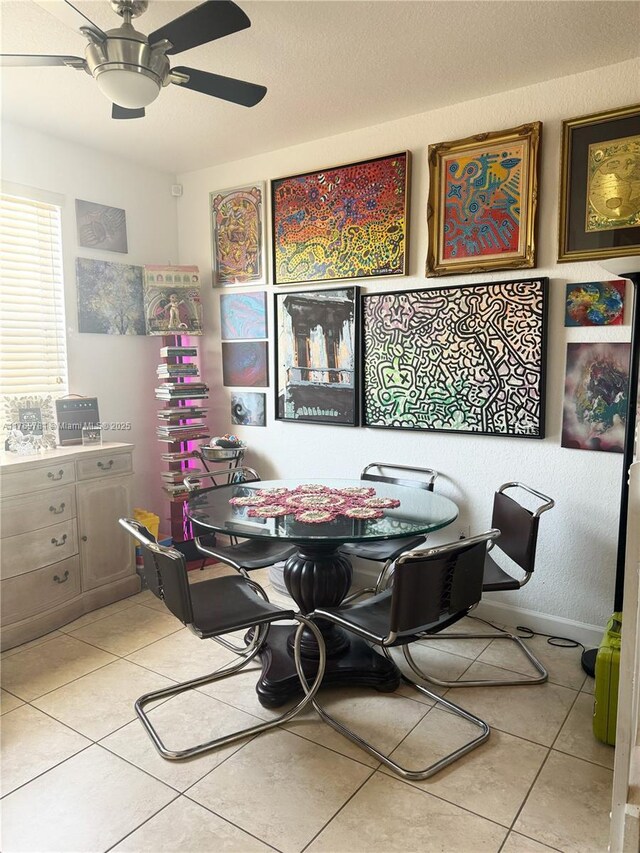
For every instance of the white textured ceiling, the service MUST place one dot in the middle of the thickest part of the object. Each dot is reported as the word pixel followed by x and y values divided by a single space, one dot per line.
pixel 329 67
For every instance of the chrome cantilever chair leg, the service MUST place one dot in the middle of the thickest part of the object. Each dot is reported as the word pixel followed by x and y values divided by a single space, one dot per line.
pixel 225 672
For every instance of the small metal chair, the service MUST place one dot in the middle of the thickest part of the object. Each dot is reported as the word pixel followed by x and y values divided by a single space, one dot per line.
pixel 432 589
pixel 211 609
pixel 518 540
pixel 387 550
pixel 243 556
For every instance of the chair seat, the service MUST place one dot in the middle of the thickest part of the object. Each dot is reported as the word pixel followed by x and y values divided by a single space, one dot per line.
pixel 382 550
pixel 250 554
pixel 495 579
pixel 228 603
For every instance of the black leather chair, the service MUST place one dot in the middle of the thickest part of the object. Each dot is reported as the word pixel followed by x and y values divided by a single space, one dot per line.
pixel 242 556
pixel 387 550
pixel 211 609
pixel 518 540
pixel 432 589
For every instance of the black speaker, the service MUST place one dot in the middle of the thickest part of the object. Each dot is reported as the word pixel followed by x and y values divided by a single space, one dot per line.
pixel 73 415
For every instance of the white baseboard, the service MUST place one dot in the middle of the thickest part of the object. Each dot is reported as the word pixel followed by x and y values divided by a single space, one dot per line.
pixel 507 614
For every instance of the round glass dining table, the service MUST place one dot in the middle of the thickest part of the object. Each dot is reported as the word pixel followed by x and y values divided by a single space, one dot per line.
pixel 318 574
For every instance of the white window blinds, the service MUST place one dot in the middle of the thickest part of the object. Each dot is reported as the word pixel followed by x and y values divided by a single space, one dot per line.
pixel 33 349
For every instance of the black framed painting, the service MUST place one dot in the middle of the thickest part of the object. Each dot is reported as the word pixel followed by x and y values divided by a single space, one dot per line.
pixel 316 356
pixel 467 359
pixel 600 186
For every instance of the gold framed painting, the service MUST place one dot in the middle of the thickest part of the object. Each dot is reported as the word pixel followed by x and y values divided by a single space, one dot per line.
pixel 600 186
pixel 483 193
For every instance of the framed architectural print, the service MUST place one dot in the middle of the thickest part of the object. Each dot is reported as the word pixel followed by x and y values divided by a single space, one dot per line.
pixel 465 359
pixel 238 235
pixel 340 223
pixel 483 201
pixel 316 356
pixel 600 186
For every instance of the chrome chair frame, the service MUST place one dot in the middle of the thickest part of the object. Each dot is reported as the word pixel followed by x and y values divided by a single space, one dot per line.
pixel 392 639
pixel 501 634
pixel 247 654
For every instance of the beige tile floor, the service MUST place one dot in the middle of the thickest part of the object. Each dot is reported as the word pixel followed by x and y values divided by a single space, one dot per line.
pixel 79 773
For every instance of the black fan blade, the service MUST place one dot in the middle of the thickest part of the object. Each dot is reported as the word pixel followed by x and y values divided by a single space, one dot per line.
pixel 227 88
pixel 207 22
pixel 122 112
pixel 33 59
pixel 72 17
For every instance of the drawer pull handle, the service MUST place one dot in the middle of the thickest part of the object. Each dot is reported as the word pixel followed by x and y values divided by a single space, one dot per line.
pixel 61 542
pixel 57 511
pixel 105 467
pixel 52 476
pixel 65 577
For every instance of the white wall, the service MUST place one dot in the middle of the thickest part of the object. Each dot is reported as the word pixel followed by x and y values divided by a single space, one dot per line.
pixel 118 370
pixel 577 546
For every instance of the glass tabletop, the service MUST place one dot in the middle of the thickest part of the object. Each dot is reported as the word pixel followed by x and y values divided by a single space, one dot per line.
pixel 420 511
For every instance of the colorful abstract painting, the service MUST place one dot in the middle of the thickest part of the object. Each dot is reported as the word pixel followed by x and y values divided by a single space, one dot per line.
pixel 316 356
pixel 457 359
pixel 244 364
pixel 346 222
pixel 243 316
pixel 595 303
pixel 482 201
pixel 172 300
pixel 248 408
pixel 237 228
pixel 595 396
pixel 110 300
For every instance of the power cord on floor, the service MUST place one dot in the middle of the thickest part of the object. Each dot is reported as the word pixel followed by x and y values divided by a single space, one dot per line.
pixel 560 642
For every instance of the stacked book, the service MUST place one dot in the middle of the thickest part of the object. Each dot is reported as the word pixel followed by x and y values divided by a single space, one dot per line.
pixel 178 352
pixel 179 456
pixel 182 391
pixel 173 413
pixel 181 432
pixel 175 478
pixel 168 371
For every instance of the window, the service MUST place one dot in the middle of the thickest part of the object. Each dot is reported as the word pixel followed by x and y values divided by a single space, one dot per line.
pixel 33 353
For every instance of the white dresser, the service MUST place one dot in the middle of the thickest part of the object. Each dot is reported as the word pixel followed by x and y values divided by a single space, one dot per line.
pixel 63 551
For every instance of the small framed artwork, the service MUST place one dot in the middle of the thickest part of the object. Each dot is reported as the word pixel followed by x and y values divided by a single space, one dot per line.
pixel 238 235
pixel 482 207
pixel 600 186
pixel 34 416
pixel 596 392
pixel 243 316
pixel 244 364
pixel 248 408
pixel 595 303
pixel 317 379
pixel 101 227
pixel 466 359
pixel 343 222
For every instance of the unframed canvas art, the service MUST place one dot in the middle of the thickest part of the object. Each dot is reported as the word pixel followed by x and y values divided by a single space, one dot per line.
pixel 595 303
pixel 172 300
pixel 596 392
pixel 243 316
pixel 457 359
pixel 101 227
pixel 244 364
pixel 248 409
pixel 109 298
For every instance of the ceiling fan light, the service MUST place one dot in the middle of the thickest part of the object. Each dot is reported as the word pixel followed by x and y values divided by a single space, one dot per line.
pixel 131 88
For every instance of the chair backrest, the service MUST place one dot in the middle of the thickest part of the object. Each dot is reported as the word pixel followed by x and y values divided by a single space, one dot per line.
pixel 425 479
pixel 242 474
pixel 170 579
pixel 518 525
pixel 433 584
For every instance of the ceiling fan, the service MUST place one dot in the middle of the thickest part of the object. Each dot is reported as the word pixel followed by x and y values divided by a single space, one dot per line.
pixel 131 68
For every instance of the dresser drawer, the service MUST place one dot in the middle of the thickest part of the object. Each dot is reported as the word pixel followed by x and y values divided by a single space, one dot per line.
pixel 41 509
pixel 32 593
pixel 25 482
pixel 38 548
pixel 103 466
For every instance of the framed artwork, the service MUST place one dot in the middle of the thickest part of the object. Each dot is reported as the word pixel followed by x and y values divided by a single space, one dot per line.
pixel 596 392
pixel 483 194
pixel 34 416
pixel 101 227
pixel 600 186
pixel 595 303
pixel 467 359
pixel 244 363
pixel 243 315
pixel 172 300
pixel 238 235
pixel 344 222
pixel 248 408
pixel 110 300
pixel 316 356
